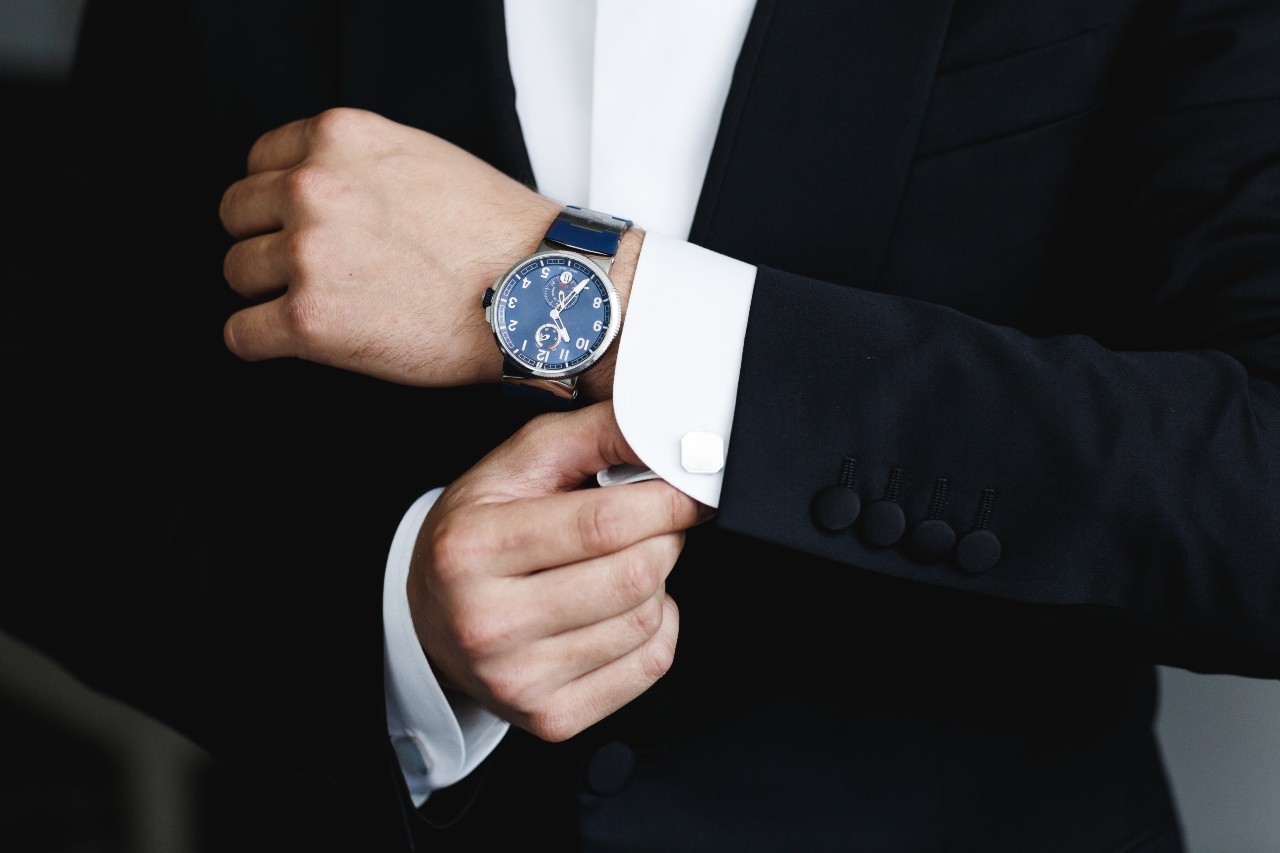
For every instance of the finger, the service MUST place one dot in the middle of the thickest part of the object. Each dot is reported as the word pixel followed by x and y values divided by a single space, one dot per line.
pixel 562 449
pixel 261 332
pixel 567 598
pixel 282 148
pixel 531 534
pixel 259 266
pixel 574 653
pixel 595 695
pixel 255 205
pixel 545 666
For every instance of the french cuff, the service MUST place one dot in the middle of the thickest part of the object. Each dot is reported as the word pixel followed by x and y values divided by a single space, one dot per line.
pixel 438 739
pixel 676 376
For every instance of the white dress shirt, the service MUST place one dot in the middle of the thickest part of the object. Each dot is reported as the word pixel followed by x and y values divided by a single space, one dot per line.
pixel 619 102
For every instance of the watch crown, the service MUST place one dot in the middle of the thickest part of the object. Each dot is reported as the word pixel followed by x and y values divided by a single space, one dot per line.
pixel 487 299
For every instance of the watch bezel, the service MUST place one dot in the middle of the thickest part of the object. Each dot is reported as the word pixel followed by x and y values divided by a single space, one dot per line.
pixel 611 333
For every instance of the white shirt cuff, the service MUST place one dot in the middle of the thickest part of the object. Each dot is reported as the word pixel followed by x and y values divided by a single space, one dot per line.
pixel 676 378
pixel 437 742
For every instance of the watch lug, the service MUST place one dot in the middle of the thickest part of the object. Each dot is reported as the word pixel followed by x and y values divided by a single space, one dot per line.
pixel 566 387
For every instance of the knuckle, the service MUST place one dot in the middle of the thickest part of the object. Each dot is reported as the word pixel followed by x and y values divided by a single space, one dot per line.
pixel 511 689
pixel 479 635
pixel 306 183
pixel 648 617
pixel 498 684
pixel 637 577
pixel 337 124
pixel 602 525
pixel 304 316
pixel 330 124
pixel 677 509
pixel 553 725
pixel 454 548
pixel 659 654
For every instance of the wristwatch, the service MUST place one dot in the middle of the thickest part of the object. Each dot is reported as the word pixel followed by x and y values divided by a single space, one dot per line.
pixel 555 312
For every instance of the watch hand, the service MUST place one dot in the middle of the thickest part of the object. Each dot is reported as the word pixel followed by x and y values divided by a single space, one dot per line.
pixel 569 299
pixel 555 318
pixel 563 302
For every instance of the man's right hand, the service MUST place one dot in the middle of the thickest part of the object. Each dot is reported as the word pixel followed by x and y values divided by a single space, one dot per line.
pixel 367 244
pixel 543 601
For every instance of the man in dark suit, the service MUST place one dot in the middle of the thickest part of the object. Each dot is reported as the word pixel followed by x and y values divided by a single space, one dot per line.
pixel 1005 432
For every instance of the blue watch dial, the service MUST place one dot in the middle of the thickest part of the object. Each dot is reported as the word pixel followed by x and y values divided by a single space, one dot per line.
pixel 553 314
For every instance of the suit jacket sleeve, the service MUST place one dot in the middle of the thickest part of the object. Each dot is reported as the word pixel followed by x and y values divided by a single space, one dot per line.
pixel 1122 459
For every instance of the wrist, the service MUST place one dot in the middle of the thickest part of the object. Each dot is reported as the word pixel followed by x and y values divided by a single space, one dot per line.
pixel 597 383
pixel 556 312
pixel 525 231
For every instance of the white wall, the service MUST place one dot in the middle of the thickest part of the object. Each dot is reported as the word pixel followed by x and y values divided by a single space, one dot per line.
pixel 37 36
pixel 1221 736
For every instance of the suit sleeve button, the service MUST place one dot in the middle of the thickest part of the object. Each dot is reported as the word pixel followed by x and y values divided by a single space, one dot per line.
pixel 610 768
pixel 835 508
pixel 883 523
pixel 978 551
pixel 932 540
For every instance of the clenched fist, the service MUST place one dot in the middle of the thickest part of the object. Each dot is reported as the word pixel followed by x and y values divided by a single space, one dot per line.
pixel 367 244
pixel 542 601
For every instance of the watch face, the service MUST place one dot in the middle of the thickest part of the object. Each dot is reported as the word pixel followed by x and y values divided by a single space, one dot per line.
pixel 554 313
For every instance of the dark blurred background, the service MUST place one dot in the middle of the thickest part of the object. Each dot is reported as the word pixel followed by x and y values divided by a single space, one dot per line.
pixel 80 773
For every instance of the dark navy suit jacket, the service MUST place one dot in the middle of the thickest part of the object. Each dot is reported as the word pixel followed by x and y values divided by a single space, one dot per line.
pixel 1018 292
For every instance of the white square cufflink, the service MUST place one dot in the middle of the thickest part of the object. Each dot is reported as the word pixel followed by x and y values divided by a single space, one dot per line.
pixel 702 452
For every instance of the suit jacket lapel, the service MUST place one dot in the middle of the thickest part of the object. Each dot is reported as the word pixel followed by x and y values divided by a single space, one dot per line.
pixel 819 127
pixel 507 120
pixel 819 130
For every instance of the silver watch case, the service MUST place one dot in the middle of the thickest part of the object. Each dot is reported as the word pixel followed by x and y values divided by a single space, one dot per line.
pixel 515 371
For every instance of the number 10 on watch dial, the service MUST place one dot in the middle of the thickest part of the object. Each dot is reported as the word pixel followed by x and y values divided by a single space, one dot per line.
pixel 554 313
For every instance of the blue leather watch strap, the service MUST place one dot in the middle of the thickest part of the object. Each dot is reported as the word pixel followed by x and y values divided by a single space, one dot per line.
pixel 587 231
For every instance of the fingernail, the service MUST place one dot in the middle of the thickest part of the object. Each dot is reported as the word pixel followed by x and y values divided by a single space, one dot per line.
pixel 705 513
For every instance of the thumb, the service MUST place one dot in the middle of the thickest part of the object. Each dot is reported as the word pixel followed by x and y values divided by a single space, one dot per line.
pixel 559 450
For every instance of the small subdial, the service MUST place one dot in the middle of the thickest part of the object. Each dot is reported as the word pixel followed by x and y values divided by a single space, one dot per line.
pixel 558 288
pixel 547 336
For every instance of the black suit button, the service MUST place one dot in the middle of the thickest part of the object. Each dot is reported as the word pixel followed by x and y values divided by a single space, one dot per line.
pixel 883 523
pixel 932 540
pixel 610 768
pixel 978 551
pixel 836 508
